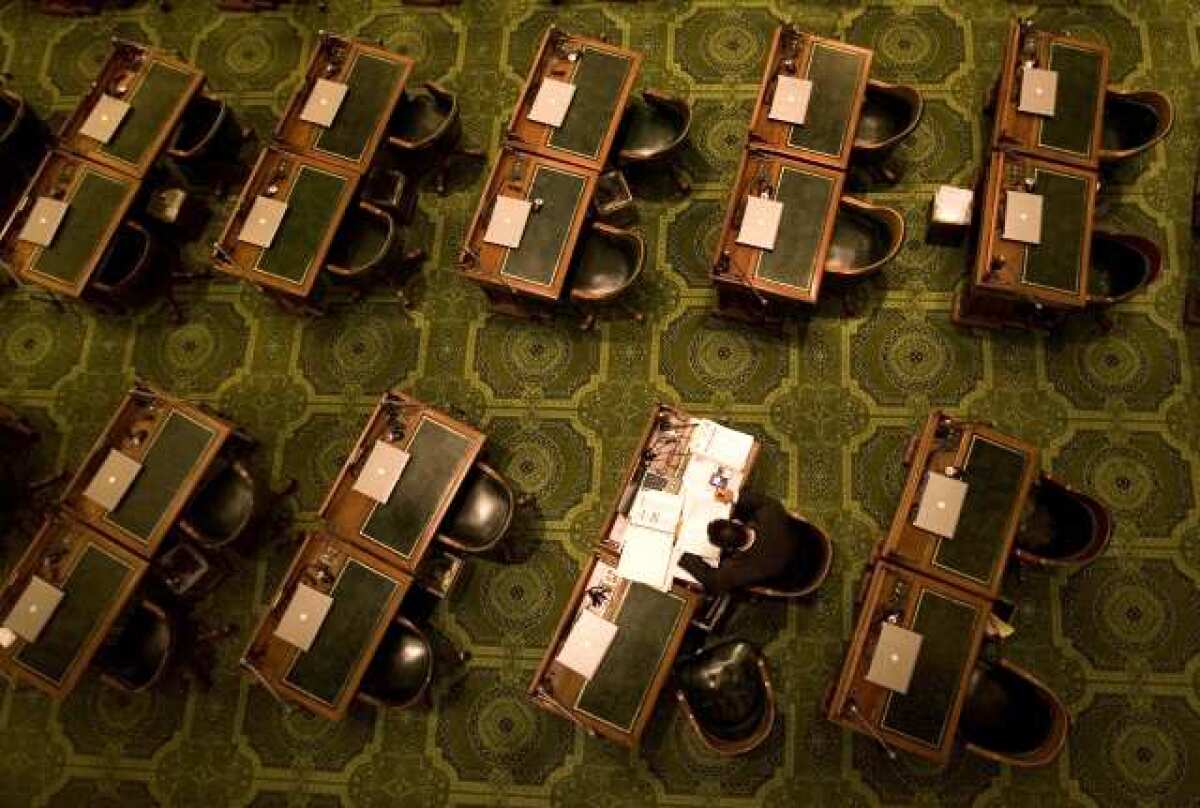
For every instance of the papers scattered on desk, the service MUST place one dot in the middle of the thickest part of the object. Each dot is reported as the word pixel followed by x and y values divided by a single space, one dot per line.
pixel 102 122
pixel 304 616
pixel 323 102
pixel 693 530
pixel 33 609
pixel 659 510
pixel 726 446
pixel 1023 217
pixel 507 225
pixel 116 474
pixel 1039 91
pixel 552 102
pixel 263 222
pixel 44 221
pixel 586 645
pixel 790 103
pixel 646 557
pixel 760 223
pixel 381 471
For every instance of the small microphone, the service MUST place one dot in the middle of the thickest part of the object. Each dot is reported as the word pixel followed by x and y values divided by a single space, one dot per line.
pixel 852 708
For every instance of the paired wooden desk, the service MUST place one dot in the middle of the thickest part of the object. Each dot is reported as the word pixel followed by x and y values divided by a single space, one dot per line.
pixel 365 556
pixel 316 170
pixel 940 588
pixel 617 702
pixel 554 168
pixel 96 556
pixel 801 166
pixel 100 181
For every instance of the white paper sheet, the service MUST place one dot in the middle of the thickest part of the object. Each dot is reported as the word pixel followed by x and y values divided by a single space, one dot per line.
pixel 659 510
pixel 646 557
pixel 585 646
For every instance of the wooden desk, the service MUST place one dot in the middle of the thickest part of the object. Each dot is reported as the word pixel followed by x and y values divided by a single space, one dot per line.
pixel 618 701
pixel 97 577
pixel 793 270
pixel 603 75
pixel 375 79
pixel 317 195
pixel 999 471
pixel 442 450
pixel 1073 134
pixel 366 596
pixel 175 441
pixel 99 199
pixel 158 88
pixel 538 267
pixel 952 622
pixel 1053 273
pixel 839 75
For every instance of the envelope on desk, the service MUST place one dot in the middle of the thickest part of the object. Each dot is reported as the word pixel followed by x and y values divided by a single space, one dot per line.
pixel 102 122
pixel 263 222
pixel 44 221
pixel 324 102
pixel 1023 217
pixel 586 645
pixel 33 609
pixel 304 616
pixel 760 223
pixel 1039 91
pixel 790 102
pixel 551 103
pixel 382 471
pixel 112 481
pixel 507 225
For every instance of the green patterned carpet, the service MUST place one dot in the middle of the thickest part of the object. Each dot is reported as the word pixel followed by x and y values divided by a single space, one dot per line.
pixel 834 399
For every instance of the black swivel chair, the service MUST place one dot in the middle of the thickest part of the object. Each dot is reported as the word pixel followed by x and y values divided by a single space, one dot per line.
pixel 132 266
pixel 137 651
pixel 402 668
pixel 481 514
pixel 1065 529
pixel 224 507
pixel 1133 122
pixel 1010 717
pixel 605 266
pixel 890 113
pixel 865 238
pixel 653 130
pixel 725 692
pixel 810 568
pixel 367 243
pixel 427 131
pixel 1122 265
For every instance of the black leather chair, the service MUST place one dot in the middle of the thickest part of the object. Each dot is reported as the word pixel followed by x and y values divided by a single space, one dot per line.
pixel 1065 528
pixel 427 130
pixel 1122 265
pixel 224 507
pixel 1012 718
pixel 200 133
pixel 890 113
pixel 1133 122
pixel 481 514
pixel 138 649
pixel 865 238
pixel 22 142
pixel 810 568
pixel 132 266
pixel 653 130
pixel 725 692
pixel 365 245
pixel 400 671
pixel 605 265
pixel 16 437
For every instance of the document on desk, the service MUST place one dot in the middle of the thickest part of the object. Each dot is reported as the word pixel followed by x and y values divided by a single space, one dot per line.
pixel 586 645
pixel 659 510
pixel 726 446
pixel 693 529
pixel 646 557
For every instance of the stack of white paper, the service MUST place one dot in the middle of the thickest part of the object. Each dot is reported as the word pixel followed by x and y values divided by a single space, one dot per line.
pixel 586 645
pixel 693 530
pixel 726 446
pixel 659 510
pixel 646 557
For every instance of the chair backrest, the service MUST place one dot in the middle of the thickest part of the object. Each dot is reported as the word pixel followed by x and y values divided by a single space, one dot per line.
pixel 444 132
pixel 1066 529
pixel 726 694
pixel 890 113
pixel 865 238
pixel 12 113
pixel 126 262
pixel 1011 717
pixel 202 122
pixel 365 239
pixel 809 568
pixel 1133 122
pixel 402 668
pixel 654 128
pixel 136 655
pixel 1122 264
pixel 481 514
pixel 223 507
pixel 607 263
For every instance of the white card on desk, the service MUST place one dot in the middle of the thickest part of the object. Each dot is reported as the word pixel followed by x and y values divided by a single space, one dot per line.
pixel 33 609
pixel 895 658
pixel 659 510
pixel 102 122
pixel 323 102
pixel 760 223
pixel 1023 217
pixel 116 474
pixel 381 471
pixel 551 103
pixel 263 222
pixel 790 103
pixel 941 504
pixel 587 643
pixel 646 557
pixel 304 616
pixel 44 221
pixel 1039 91
pixel 507 225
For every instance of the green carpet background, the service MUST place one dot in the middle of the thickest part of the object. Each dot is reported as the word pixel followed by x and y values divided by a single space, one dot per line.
pixel 834 399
